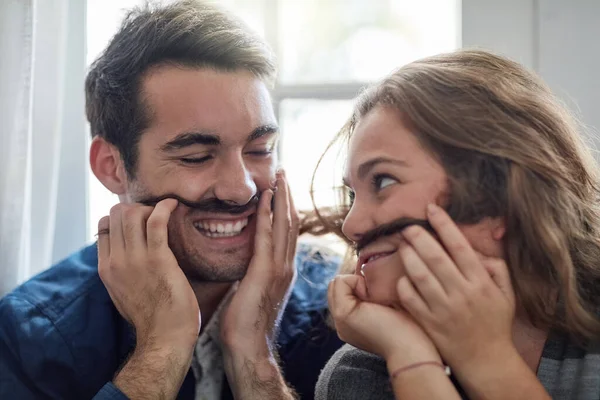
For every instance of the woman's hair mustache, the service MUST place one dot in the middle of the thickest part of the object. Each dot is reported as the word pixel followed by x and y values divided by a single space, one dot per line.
pixel 391 228
pixel 209 205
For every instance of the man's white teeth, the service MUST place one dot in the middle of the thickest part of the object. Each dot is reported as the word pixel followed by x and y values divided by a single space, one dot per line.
pixel 222 229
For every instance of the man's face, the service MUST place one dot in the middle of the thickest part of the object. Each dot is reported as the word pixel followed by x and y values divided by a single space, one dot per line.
pixel 212 139
pixel 393 177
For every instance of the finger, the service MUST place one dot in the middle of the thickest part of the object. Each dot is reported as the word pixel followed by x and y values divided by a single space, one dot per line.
pixel 455 243
pixel 295 227
pixel 103 242
pixel 117 242
pixel 330 295
pixel 344 299
pixel 361 288
pixel 499 273
pixel 435 258
pixel 133 222
pixel 281 221
pixel 104 257
pixel 411 300
pixel 263 240
pixel 428 286
pixel 157 230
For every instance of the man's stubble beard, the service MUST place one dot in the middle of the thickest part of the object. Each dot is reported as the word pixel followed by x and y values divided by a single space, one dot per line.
pixel 224 267
pixel 195 266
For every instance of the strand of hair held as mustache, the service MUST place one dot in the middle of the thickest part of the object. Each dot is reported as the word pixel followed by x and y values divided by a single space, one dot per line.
pixel 391 228
pixel 209 205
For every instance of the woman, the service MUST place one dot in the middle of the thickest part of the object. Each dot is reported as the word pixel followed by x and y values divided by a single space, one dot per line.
pixel 496 275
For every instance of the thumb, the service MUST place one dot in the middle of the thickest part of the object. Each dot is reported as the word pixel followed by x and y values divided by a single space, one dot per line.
pixel 342 295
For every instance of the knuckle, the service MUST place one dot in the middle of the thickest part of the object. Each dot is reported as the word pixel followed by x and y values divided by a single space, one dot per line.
pixel 484 290
pixel 268 245
pixel 155 222
pixel 288 220
pixel 421 278
pixel 459 246
pixel 336 314
pixel 103 272
pixel 295 218
pixel 113 264
pixel 117 208
pixel 436 259
pixel 107 269
pixel 407 298
pixel 496 265
pixel 443 222
pixel 104 223
pixel 129 213
pixel 264 211
pixel 456 302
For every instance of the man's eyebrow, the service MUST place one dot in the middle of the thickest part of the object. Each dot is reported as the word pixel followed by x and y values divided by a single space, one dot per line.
pixel 367 166
pixel 261 131
pixel 187 139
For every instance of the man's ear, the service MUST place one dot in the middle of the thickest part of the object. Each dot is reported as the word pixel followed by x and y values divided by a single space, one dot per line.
pixel 108 166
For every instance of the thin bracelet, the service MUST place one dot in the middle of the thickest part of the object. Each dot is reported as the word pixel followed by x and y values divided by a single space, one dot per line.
pixel 420 364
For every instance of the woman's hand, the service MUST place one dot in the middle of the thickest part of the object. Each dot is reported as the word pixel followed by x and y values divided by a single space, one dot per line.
pixel 389 333
pixel 464 301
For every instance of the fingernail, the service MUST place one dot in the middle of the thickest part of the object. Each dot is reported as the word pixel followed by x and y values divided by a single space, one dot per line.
pixel 432 209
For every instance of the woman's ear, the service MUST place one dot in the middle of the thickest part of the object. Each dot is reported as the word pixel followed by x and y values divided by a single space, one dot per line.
pixel 107 165
pixel 498 227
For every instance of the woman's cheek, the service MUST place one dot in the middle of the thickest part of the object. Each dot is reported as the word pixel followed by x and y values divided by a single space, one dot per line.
pixel 381 280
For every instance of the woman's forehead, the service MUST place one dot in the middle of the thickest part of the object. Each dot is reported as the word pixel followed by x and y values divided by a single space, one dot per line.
pixel 381 132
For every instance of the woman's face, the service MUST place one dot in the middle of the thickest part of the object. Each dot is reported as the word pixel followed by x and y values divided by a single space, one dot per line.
pixel 392 176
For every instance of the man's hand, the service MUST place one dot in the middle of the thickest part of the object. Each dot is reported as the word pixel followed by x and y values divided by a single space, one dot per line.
pixel 151 292
pixel 249 324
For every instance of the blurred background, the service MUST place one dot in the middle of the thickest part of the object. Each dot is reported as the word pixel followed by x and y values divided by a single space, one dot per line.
pixel 327 51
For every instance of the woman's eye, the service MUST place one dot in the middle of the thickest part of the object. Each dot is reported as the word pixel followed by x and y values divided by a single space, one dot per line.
pixel 382 181
pixel 351 196
pixel 261 152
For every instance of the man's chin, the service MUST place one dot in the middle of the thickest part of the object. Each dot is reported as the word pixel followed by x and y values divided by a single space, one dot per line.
pixel 215 271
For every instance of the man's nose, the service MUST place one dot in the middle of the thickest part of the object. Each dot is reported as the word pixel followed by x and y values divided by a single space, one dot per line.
pixel 235 183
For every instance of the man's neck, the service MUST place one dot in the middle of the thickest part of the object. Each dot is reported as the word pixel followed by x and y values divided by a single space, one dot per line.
pixel 209 295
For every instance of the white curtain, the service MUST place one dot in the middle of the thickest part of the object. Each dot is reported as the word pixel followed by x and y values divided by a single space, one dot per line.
pixel 42 135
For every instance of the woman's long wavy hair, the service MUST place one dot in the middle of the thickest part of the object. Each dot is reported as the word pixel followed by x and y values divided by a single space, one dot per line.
pixel 511 150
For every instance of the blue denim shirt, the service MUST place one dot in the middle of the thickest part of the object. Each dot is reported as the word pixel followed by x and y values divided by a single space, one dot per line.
pixel 62 338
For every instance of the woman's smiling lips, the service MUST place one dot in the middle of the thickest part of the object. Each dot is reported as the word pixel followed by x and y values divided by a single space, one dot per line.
pixel 369 259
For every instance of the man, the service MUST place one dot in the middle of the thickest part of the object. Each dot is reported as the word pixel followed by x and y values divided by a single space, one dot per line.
pixel 184 294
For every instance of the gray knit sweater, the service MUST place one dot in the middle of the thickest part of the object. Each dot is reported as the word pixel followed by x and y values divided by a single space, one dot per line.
pixel 566 371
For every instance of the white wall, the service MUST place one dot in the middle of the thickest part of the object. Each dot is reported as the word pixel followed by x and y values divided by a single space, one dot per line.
pixel 70 228
pixel 557 38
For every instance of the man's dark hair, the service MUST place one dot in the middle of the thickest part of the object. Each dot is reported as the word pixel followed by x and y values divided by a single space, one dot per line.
pixel 185 33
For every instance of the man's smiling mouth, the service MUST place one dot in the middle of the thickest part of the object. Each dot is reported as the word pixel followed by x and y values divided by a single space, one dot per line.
pixel 220 228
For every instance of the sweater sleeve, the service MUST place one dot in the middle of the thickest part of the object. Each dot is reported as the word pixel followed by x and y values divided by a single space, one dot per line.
pixel 354 374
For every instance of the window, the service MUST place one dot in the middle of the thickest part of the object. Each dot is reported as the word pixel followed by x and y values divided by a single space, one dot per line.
pixel 327 51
